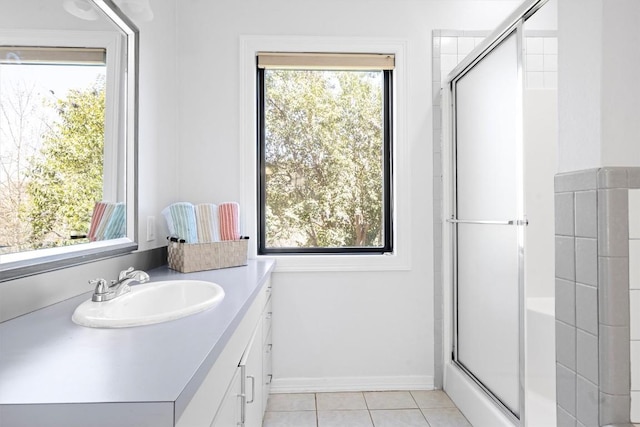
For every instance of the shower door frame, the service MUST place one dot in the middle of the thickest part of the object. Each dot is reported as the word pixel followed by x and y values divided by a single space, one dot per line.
pixel 513 25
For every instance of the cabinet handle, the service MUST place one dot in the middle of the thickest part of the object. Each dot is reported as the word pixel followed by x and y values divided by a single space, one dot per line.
pixel 268 316
pixel 253 389
pixel 269 348
pixel 269 380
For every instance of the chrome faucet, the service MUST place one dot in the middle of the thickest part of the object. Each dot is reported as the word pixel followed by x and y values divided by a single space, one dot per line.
pixel 104 292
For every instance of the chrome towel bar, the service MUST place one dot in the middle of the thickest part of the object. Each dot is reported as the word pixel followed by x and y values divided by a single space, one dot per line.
pixel 482 222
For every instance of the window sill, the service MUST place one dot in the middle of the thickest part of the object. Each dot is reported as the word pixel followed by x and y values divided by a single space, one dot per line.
pixel 318 263
pixel 23 264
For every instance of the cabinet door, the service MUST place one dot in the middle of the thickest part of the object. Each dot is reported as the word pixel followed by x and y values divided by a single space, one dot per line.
pixel 251 365
pixel 229 413
pixel 267 348
pixel 267 372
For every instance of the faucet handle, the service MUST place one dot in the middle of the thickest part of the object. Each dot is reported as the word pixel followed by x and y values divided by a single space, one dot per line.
pixel 124 273
pixel 100 285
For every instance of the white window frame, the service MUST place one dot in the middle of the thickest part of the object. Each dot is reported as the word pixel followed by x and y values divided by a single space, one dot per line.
pixel 400 258
pixel 114 180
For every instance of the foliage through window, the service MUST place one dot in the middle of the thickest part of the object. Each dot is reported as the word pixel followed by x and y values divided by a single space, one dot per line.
pixel 325 161
pixel 52 119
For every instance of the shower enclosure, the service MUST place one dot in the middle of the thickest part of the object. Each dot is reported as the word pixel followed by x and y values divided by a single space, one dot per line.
pixel 487 221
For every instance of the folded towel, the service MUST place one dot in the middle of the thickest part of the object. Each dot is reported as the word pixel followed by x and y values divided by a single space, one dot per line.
pixel 104 221
pixel 96 217
pixel 229 217
pixel 117 224
pixel 166 213
pixel 182 222
pixel 207 223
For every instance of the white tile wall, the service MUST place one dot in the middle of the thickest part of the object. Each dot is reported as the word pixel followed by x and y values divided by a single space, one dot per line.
pixel 454 49
pixel 541 62
pixel 535 62
pixel 534 45
pixel 447 63
pixel 541 58
pixel 550 63
pixel 551 45
pixel 449 45
pixel 634 300
pixel 465 45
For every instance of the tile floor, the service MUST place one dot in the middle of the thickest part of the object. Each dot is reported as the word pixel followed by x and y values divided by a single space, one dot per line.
pixel 364 409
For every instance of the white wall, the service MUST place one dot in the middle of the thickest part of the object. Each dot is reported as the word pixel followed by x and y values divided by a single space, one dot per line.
pixel 621 86
pixel 158 168
pixel 332 330
pixel 600 92
pixel 579 77
pixel 45 15
pixel 540 136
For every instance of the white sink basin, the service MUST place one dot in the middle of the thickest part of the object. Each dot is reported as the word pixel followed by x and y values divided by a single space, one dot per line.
pixel 150 303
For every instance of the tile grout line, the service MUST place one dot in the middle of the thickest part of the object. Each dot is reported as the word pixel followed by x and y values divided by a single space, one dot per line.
pixel 368 410
pixel 419 408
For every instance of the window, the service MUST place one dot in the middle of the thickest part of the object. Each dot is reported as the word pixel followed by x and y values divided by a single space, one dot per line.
pixel 325 153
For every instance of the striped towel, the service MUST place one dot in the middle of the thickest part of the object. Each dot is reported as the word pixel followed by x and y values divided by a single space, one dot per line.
pixel 207 223
pixel 229 215
pixel 104 221
pixel 166 213
pixel 183 218
pixel 116 227
pixel 96 217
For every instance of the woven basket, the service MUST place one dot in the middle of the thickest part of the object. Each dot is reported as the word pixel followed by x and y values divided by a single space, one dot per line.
pixel 190 257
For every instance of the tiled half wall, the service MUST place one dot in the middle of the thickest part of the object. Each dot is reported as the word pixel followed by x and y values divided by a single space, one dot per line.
pixel 596 233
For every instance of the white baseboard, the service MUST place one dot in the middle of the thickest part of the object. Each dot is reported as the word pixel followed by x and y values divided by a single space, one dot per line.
pixel 342 384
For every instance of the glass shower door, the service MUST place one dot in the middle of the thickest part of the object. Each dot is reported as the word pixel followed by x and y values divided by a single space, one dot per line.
pixel 488 222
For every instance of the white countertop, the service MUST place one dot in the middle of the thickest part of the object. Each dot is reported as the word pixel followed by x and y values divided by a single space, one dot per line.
pixel 49 363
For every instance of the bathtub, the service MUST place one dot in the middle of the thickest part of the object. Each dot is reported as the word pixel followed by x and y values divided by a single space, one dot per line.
pixel 540 363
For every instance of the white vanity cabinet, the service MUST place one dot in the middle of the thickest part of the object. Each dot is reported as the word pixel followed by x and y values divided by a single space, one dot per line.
pixel 267 350
pixel 256 368
pixel 230 409
pixel 233 392
pixel 185 372
pixel 251 369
